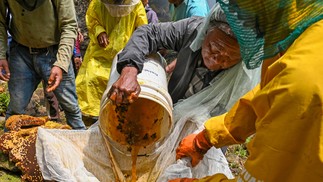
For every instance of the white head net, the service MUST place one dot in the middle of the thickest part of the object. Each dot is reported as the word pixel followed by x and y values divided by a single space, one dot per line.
pixel 120 9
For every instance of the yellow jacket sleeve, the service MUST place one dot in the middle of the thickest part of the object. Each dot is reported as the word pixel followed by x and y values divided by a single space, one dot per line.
pixel 222 131
pixel 93 20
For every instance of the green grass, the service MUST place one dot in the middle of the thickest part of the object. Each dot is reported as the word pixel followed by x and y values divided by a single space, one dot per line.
pixel 4 99
pixel 236 156
pixel 241 150
pixel 8 177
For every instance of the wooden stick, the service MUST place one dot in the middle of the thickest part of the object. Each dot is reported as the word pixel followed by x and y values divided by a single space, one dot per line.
pixel 115 166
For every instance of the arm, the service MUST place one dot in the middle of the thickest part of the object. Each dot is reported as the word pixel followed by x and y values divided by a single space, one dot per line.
pixel 77 57
pixel 126 88
pixel 80 37
pixel 230 128
pixel 68 29
pixel 151 38
pixel 94 23
pixel 145 40
pixel 4 69
pixel 154 17
pixel 236 125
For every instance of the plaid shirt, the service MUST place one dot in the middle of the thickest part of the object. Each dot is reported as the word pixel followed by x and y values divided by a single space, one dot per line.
pixel 201 78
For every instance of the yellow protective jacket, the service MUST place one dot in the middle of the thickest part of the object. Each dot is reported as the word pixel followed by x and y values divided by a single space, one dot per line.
pixel 286 114
pixel 94 73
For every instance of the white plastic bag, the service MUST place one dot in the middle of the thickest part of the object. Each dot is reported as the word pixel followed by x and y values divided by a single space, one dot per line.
pixel 181 169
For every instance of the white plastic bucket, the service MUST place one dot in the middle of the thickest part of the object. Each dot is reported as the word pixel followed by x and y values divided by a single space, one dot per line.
pixel 154 93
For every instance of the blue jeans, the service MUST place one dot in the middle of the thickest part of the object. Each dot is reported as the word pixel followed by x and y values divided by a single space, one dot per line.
pixel 26 72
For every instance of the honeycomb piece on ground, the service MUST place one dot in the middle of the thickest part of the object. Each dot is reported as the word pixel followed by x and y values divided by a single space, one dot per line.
pixel 55 125
pixel 19 143
pixel 16 122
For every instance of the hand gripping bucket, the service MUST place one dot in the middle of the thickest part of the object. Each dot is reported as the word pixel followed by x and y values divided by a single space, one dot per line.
pixel 147 121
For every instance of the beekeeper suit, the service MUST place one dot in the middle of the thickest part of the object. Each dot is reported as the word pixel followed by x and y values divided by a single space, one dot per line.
pixel 115 22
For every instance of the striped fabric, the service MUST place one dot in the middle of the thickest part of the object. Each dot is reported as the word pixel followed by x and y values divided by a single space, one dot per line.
pixel 201 78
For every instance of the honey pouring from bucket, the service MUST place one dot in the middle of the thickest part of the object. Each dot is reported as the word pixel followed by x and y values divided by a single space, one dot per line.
pixel 139 128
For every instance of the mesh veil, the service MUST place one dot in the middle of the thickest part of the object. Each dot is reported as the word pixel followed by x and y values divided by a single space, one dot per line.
pixel 267 27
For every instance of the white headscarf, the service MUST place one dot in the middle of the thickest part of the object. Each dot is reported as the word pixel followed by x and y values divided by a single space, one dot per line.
pixel 217 14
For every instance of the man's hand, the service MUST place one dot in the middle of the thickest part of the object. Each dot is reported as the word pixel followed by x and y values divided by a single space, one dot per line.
pixel 78 62
pixel 126 89
pixel 4 70
pixel 170 68
pixel 80 36
pixel 103 39
pixel 193 146
pixel 55 78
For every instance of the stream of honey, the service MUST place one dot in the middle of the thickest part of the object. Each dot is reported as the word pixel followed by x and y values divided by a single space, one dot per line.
pixel 134 155
pixel 135 126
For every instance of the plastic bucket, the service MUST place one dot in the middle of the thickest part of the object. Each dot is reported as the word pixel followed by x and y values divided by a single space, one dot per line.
pixel 148 120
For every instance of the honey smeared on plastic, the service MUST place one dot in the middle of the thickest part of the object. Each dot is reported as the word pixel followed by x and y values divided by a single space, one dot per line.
pixel 136 126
